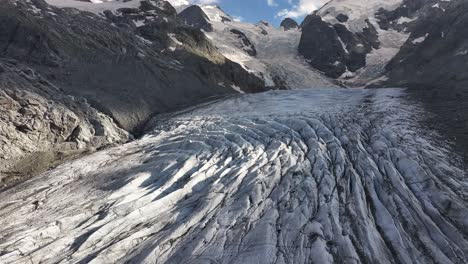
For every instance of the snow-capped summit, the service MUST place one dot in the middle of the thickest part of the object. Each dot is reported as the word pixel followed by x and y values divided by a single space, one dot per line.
pixel 268 52
pixel 359 38
pixel 176 3
pixel 356 11
pixel 216 14
pixel 361 46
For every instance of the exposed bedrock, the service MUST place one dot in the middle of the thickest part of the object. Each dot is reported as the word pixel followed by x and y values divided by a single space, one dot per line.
pixel 289 23
pixel 435 55
pixel 132 65
pixel 82 69
pixel 41 125
pixel 334 49
pixel 244 42
pixel 195 17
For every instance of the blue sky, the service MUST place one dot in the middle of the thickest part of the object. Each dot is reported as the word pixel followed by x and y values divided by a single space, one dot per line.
pixel 271 10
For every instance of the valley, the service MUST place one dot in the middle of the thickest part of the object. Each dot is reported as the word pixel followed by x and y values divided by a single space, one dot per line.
pixel 174 132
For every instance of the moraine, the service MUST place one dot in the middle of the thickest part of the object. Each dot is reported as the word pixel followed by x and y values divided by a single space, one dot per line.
pixel 306 176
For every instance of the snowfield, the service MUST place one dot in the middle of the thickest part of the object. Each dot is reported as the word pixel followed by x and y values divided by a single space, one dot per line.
pixel 304 176
pixel 356 10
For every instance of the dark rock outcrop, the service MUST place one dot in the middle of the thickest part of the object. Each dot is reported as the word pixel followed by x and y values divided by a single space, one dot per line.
pixel 334 49
pixel 245 44
pixel 165 6
pixel 289 23
pixel 359 36
pixel 225 19
pixel 414 10
pixel 342 18
pixel 436 53
pixel 263 23
pixel 321 47
pixel 195 17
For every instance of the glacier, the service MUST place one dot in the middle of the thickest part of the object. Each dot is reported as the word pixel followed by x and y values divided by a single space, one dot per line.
pixel 303 176
pixel 277 59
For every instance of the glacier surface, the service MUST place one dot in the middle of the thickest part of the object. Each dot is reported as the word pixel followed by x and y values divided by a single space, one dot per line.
pixel 304 176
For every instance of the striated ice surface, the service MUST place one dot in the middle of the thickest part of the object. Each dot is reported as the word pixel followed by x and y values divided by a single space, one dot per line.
pixel 305 176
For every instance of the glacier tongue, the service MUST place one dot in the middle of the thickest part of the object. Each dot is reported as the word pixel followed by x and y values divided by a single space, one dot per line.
pixel 306 176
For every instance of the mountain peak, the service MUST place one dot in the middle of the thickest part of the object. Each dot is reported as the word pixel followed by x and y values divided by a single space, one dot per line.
pixel 289 23
pixel 196 17
pixel 264 23
pixel 215 13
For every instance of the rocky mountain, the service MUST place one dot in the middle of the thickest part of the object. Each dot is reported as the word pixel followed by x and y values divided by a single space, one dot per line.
pixel 354 41
pixel 344 51
pixel 346 40
pixel 215 169
pixel 268 52
pixel 289 23
pixel 195 17
pixel 40 125
pixel 436 52
pixel 143 47
pixel 129 62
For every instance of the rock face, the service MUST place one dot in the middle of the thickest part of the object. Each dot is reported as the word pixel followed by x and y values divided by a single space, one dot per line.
pixel 266 51
pixel 133 64
pixel 40 124
pixel 435 55
pixel 367 43
pixel 327 57
pixel 364 43
pixel 122 68
pixel 342 18
pixel 244 42
pixel 311 176
pixel 195 17
pixel 289 23
pixel 334 49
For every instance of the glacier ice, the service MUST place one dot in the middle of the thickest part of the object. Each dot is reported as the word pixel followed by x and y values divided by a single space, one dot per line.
pixel 304 176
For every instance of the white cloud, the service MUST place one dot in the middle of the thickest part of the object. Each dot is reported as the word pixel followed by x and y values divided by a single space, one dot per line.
pixel 238 18
pixel 301 8
pixel 205 2
pixel 272 3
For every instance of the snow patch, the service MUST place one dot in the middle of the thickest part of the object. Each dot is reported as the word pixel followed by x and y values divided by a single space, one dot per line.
pixel 420 39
